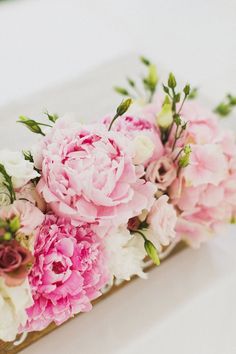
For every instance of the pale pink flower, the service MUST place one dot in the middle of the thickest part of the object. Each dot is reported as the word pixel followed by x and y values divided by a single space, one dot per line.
pixel 30 193
pixel 69 271
pixel 162 172
pixel 194 233
pixel 88 175
pixel 162 220
pixel 207 165
pixel 203 126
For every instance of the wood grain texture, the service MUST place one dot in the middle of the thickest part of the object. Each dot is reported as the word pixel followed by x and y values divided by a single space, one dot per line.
pixel 10 348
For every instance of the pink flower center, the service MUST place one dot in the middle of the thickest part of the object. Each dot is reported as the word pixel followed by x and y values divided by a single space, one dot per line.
pixel 58 267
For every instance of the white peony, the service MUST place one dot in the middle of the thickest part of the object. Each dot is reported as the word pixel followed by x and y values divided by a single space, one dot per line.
pixel 17 167
pixel 13 302
pixel 126 254
pixel 144 148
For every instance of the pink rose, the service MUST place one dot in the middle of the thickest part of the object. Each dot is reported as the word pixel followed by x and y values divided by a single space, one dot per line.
pixel 162 220
pixel 162 172
pixel 14 262
pixel 30 216
pixel 69 271
pixel 88 175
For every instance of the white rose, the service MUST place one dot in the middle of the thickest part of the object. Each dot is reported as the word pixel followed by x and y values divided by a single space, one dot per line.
pixel 17 167
pixel 144 148
pixel 125 254
pixel 13 302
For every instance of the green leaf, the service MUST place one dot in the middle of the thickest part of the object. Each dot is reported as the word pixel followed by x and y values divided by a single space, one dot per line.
pixel 232 99
pixel 193 93
pixel 31 124
pixel 8 183
pixel 151 251
pixel 28 156
pixel 121 91
pixel 145 61
pixel 165 89
pixel 223 109
pixel 177 97
pixel 52 117
pixel 131 82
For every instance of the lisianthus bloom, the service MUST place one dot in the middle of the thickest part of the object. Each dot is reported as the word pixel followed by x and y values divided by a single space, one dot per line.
pixel 162 172
pixel 69 271
pixel 20 170
pixel 125 254
pixel 139 129
pixel 162 222
pixel 14 262
pixel 88 175
pixel 13 304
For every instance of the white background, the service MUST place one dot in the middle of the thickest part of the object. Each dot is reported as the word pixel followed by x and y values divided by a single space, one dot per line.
pixel 44 42
pixel 188 304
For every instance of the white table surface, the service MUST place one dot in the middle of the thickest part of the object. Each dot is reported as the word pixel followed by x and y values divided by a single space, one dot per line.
pixel 188 304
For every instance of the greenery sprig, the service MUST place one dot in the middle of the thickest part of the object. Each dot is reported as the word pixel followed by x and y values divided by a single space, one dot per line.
pixel 175 97
pixel 150 82
pixel 8 183
pixel 225 108
pixel 35 126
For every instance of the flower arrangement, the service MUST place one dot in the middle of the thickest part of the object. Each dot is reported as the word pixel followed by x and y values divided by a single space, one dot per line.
pixel 89 202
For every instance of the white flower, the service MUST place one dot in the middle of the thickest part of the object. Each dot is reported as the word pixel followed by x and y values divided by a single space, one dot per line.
pixel 13 302
pixel 144 148
pixel 17 167
pixel 126 254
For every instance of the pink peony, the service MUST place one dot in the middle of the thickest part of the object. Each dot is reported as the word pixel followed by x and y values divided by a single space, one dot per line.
pixel 131 127
pixel 88 175
pixel 69 271
pixel 30 216
pixel 162 220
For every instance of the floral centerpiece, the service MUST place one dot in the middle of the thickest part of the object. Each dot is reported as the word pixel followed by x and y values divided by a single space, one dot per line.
pixel 89 202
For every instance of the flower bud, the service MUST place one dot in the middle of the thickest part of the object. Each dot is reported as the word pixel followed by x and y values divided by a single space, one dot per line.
pixel 171 81
pixel 152 76
pixel 151 251
pixel 165 117
pixel 123 107
pixel 186 90
pixel 14 224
